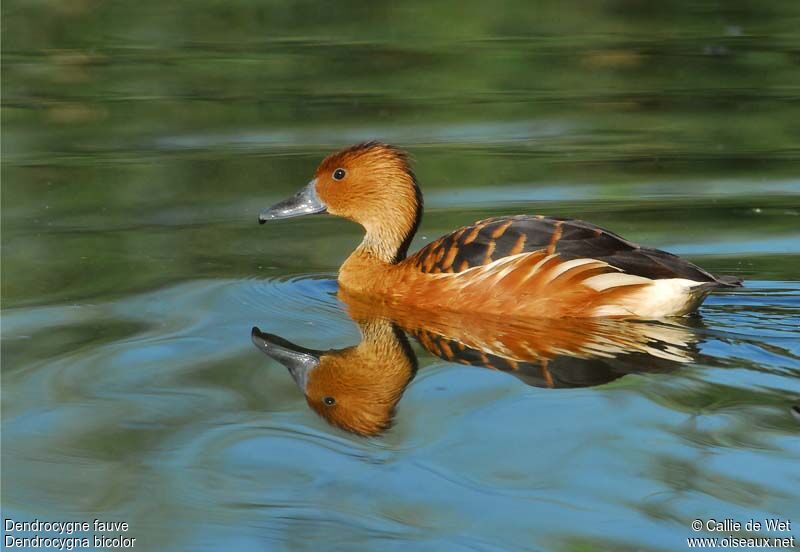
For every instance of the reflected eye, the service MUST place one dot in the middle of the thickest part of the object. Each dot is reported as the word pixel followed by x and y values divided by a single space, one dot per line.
pixel 338 174
pixel 329 401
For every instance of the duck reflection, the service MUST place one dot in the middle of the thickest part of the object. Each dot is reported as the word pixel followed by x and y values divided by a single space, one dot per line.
pixel 355 388
pixel 358 388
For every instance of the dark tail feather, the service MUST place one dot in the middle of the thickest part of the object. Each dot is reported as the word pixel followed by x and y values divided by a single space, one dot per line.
pixel 720 282
pixel 729 281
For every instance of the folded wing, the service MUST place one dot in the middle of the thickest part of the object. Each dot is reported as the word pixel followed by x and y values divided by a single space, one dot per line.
pixel 489 240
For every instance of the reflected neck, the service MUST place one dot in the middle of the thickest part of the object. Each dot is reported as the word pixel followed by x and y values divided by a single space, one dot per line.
pixel 388 346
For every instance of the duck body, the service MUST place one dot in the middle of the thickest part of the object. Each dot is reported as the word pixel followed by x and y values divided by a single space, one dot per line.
pixel 522 266
pixel 533 273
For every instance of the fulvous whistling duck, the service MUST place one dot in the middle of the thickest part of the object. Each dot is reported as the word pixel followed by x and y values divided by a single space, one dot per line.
pixel 520 266
pixel 358 388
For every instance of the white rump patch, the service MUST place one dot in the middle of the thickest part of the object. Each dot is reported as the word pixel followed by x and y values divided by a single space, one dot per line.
pixel 661 298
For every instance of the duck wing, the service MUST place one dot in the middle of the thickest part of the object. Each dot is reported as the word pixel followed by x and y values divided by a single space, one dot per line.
pixel 489 240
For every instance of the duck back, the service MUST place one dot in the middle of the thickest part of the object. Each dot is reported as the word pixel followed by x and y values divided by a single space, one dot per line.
pixel 488 240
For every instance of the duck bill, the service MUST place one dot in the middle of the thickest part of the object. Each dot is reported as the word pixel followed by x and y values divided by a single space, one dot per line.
pixel 298 360
pixel 304 202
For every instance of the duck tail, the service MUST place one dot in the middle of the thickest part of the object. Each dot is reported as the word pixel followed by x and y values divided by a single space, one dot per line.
pixel 726 281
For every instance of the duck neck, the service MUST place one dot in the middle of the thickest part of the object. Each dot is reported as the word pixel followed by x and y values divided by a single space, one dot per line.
pixel 388 235
pixel 385 244
pixel 367 268
pixel 386 241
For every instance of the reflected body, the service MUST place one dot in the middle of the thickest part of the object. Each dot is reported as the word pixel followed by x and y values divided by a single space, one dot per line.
pixel 357 388
pixel 523 266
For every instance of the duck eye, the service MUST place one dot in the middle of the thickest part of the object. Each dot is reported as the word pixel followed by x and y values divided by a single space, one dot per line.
pixel 329 401
pixel 338 174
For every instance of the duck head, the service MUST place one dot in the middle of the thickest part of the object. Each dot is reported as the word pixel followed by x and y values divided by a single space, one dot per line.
pixel 357 388
pixel 371 184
